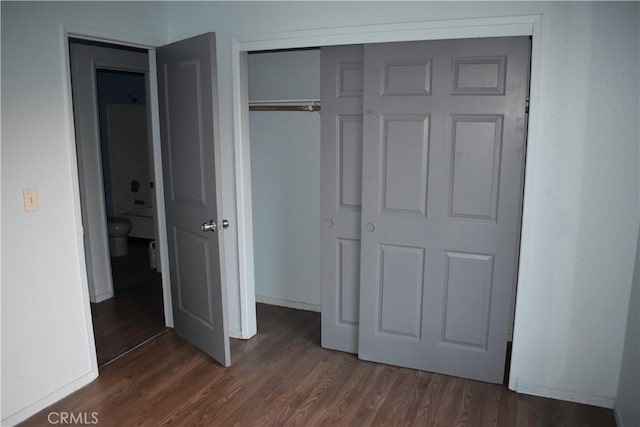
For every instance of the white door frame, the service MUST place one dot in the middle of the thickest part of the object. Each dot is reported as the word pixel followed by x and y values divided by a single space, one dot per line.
pixel 153 112
pixel 91 167
pixel 527 25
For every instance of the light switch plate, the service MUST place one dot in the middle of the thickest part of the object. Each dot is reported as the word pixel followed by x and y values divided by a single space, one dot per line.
pixel 30 199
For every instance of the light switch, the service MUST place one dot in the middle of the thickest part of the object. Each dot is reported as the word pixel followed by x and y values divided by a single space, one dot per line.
pixel 30 199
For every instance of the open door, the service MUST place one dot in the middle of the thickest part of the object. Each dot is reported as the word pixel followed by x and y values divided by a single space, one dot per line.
pixel 188 103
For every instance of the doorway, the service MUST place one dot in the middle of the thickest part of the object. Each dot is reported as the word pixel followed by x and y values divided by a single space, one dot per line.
pixel 285 166
pixel 285 169
pixel 115 163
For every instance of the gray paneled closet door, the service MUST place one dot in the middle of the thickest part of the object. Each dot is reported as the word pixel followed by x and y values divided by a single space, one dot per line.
pixel 341 91
pixel 441 204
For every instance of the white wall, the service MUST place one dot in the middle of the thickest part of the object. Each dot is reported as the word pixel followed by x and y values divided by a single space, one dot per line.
pixel 627 407
pixel 583 197
pixel 285 173
pixel 47 343
pixel 284 75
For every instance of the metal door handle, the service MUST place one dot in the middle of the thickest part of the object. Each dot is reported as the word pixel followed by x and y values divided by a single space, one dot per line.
pixel 209 226
pixel 225 223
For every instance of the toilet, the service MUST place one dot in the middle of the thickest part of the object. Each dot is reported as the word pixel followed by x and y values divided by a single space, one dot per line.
pixel 118 229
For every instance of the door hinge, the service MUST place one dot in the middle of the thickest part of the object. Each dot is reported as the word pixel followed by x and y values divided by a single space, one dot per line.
pixel 526 106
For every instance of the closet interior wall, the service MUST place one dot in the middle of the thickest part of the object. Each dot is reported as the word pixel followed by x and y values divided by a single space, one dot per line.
pixel 285 176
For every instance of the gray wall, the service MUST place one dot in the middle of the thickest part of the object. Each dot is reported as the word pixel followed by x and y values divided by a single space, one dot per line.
pixel 627 407
pixel 285 176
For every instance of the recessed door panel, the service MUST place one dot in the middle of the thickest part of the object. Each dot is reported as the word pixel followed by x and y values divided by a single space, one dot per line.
pixel 408 77
pixel 350 152
pixel 400 295
pixel 479 75
pixel 405 156
pixel 475 170
pixel 349 77
pixel 183 86
pixel 349 280
pixel 467 302
pixel 192 253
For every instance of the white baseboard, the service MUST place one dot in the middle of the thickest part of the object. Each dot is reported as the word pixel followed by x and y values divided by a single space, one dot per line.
pixel 288 303
pixel 236 333
pixel 101 297
pixel 570 396
pixel 50 399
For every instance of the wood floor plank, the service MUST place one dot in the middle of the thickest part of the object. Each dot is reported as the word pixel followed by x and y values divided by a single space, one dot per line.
pixel 396 402
pixel 431 400
pixel 288 376
pixel 283 377
pixel 324 393
pixel 376 396
pixel 415 396
pixel 135 313
pixel 253 369
pixel 345 401
pixel 451 401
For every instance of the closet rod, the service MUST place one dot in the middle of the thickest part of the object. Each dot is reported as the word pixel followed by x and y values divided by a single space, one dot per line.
pixel 285 105
pixel 275 107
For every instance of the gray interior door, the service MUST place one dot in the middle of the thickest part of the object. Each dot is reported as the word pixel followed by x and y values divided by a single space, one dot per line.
pixel 191 168
pixel 341 127
pixel 442 183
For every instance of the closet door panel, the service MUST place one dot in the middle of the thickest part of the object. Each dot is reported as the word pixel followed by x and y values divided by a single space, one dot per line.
pixel 443 158
pixel 341 128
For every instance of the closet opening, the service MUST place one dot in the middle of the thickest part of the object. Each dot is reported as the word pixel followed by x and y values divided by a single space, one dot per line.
pixel 284 122
pixel 395 211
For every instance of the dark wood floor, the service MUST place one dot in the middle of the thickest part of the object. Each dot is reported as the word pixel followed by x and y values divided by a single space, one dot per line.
pixel 131 317
pixel 135 313
pixel 283 376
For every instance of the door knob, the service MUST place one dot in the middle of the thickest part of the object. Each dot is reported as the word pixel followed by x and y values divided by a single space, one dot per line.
pixel 370 227
pixel 209 226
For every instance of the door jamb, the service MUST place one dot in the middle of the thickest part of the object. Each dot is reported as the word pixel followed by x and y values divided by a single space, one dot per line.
pixel 527 25
pixel 153 111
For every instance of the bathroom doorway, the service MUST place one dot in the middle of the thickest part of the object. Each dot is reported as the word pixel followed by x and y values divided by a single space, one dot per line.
pixel 110 86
